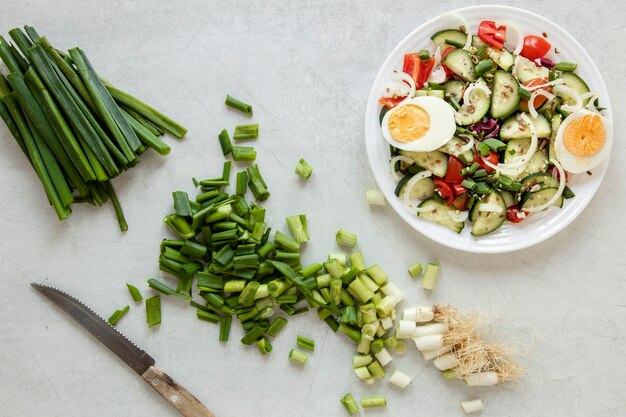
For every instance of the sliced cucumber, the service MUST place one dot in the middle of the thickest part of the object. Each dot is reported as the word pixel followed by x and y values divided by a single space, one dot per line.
pixel 554 124
pixel 436 161
pixel 475 109
pixel 576 83
pixel 454 35
pixel 505 97
pixel 509 198
pixel 477 42
pixel 488 221
pixel 504 59
pixel 543 179
pixel 536 199
pixel 439 214
pixel 526 70
pixel 452 148
pixel 454 89
pixel 537 163
pixel 422 190
pixel 514 127
pixel 428 92
pixel 460 62
pixel 515 148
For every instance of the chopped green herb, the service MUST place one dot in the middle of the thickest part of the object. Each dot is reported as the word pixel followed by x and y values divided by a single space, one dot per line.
pixel 346 238
pixel 117 315
pixel 238 105
pixel 243 132
pixel 153 310
pixel 350 404
pixel 430 276
pixel 306 343
pixel 134 292
pixel 303 169
pixel 297 357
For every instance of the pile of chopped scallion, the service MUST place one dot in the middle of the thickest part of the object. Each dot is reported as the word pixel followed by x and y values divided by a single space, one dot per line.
pixel 76 129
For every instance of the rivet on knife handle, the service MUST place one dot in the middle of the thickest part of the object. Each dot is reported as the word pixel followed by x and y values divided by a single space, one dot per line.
pixel 179 397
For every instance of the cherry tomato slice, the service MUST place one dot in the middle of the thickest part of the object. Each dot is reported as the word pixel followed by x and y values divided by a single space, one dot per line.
pixel 480 160
pixel 390 102
pixel 491 34
pixel 448 71
pixel 515 215
pixel 539 100
pixel 460 202
pixel 453 173
pixel 445 190
pixel 535 47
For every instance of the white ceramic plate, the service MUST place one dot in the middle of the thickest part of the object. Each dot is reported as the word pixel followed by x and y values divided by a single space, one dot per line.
pixel 509 237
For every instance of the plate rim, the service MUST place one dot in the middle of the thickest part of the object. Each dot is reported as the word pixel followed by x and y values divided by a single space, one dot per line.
pixel 468 245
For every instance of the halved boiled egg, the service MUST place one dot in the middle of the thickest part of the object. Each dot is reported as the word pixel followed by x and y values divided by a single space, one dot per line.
pixel 420 124
pixel 583 141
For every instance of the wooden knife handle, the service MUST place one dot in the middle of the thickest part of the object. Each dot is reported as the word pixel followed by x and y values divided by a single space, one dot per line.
pixel 179 397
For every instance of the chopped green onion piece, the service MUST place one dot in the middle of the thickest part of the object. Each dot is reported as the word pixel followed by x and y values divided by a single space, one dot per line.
pixel 306 343
pixel 375 198
pixel 257 184
pixel 454 43
pixel 298 357
pixel 455 104
pixel 362 372
pixel 134 292
pixel 193 249
pixel 449 374
pixel 430 276
pixel 225 172
pixel 297 226
pixel 162 288
pixel 181 203
pixel 242 183
pixel 482 188
pixel 495 144
pixel 153 310
pixel 346 238
pixel 369 402
pixel 335 290
pixel 238 105
pixel 225 144
pixel 117 315
pixel 243 153
pixel 361 360
pixel 415 270
pixel 384 306
pixel 483 149
pixel 357 261
pixel 482 67
pixel 424 55
pixel 286 242
pixel 264 346
pixel 377 345
pixel 225 322
pixel 360 291
pixel 351 332
pixel 400 347
pixel 565 66
pixel 481 173
pixel 207 316
pixel 303 169
pixel 350 404
pixel 246 132
pixel 276 326
pixel 116 205
pixel 524 93
pixel 253 335
pixel 377 273
pixel 468 183
pixel 376 369
pixel 248 294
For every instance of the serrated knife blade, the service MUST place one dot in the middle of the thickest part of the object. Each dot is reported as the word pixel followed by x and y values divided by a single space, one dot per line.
pixel 140 361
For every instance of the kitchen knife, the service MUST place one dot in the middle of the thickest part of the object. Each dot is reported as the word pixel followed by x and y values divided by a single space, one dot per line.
pixel 137 359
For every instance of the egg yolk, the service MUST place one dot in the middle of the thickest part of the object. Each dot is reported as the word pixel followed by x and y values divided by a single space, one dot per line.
pixel 409 123
pixel 584 136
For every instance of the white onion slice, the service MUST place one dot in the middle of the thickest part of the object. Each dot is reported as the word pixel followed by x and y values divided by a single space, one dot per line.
pixel 468 32
pixel 592 97
pixel 392 166
pixel 515 65
pixel 531 101
pixel 559 191
pixel 471 88
pixel 470 142
pixel 458 216
pixel 561 90
pixel 519 44
pixel 409 186
pixel 401 85
pixel 437 56
pixel 515 168
pixel 492 208
pixel 558 81
pixel 438 75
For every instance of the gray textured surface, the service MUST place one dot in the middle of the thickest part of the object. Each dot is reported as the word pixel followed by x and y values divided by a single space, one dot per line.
pixel 307 68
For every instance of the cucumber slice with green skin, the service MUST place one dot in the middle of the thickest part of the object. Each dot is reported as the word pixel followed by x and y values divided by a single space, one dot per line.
pixel 537 163
pixel 504 59
pixel 422 190
pixel 526 70
pixel 382 114
pixel 432 93
pixel 486 221
pixel 505 97
pixel 509 198
pixel 473 111
pixel 439 214
pixel 453 146
pixel 543 179
pixel 576 83
pixel 555 123
pixel 515 128
pixel 454 89
pixel 460 62
pixel 436 161
pixel 454 35
pixel 516 147
pixel 536 199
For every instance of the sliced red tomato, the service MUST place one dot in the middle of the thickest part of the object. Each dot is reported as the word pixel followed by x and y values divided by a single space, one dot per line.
pixel 535 47
pixel 555 173
pixel 453 173
pixel 390 102
pixel 448 71
pixel 514 214
pixel 480 160
pixel 539 100
pixel 460 202
pixel 445 190
pixel 417 68
pixel 458 189
pixel 491 34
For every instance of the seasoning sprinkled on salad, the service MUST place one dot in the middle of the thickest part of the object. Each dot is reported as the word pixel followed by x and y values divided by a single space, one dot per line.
pixel 488 127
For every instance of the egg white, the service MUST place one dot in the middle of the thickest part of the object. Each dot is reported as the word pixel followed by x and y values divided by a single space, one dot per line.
pixel 577 164
pixel 442 125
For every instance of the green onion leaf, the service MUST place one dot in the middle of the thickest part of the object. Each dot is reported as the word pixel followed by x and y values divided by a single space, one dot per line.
pixel 346 238
pixel 243 132
pixel 297 357
pixel 117 315
pixel 153 311
pixel 350 404
pixel 243 153
pixel 134 292
pixel 430 276
pixel 306 343
pixel 238 105
pixel 303 169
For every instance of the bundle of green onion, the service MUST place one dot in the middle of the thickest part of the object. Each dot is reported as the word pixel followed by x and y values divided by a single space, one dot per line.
pixel 75 128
